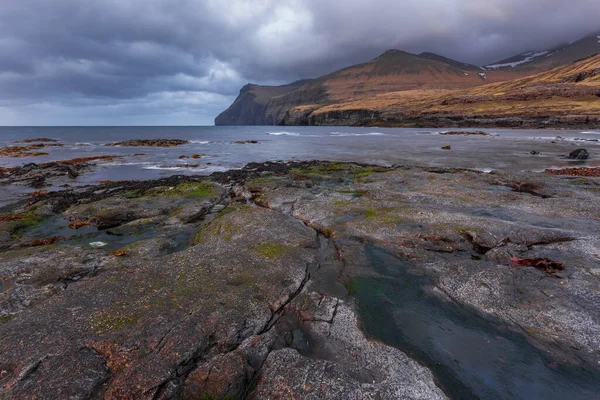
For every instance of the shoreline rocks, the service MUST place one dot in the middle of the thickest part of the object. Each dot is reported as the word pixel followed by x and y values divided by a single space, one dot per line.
pixel 150 143
pixel 30 150
pixel 244 284
pixel 245 142
pixel 466 133
pixel 580 171
pixel 579 154
pixel 36 175
pixel 38 140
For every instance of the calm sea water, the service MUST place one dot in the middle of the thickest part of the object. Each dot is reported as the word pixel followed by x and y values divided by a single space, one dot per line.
pixel 504 149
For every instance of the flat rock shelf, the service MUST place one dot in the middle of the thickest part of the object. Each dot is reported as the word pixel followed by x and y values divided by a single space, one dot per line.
pixel 304 280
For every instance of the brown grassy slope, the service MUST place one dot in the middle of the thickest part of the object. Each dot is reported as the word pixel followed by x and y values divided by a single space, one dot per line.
pixel 397 70
pixel 393 71
pixel 567 90
pixel 265 93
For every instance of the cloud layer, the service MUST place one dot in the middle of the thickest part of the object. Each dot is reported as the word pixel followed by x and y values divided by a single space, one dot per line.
pixel 183 61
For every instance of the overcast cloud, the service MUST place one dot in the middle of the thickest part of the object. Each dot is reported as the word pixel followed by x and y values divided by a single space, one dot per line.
pixel 112 62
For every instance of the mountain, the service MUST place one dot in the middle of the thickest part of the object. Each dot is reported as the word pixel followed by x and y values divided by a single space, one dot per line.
pixel 551 58
pixel 566 96
pixel 392 71
pixel 457 64
pixel 249 107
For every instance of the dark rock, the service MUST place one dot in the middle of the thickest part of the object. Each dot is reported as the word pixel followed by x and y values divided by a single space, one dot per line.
pixel 245 142
pixel 534 153
pixel 460 133
pixel 40 140
pixel 579 154
pixel 150 143
pixel 36 175
pixel 75 374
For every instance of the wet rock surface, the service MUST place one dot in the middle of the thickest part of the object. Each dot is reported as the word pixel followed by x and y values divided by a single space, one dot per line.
pixel 29 150
pixel 150 143
pixel 245 142
pixel 45 174
pixel 581 171
pixel 579 154
pixel 305 280
pixel 465 133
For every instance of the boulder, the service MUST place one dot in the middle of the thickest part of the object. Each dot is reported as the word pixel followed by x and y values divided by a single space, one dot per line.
pixel 579 154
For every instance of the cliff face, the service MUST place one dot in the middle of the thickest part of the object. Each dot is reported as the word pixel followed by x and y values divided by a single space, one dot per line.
pixel 250 107
pixel 392 71
pixel 403 89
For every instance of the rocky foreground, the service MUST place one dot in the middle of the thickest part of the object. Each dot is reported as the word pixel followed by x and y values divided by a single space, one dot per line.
pixel 244 284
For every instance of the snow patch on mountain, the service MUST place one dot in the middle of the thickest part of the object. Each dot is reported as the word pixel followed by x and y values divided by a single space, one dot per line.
pixel 528 58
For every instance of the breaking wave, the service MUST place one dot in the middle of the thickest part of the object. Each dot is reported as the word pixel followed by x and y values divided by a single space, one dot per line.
pixel 283 133
pixel 357 134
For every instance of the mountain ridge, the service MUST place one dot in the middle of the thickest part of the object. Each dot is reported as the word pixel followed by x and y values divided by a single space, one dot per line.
pixel 552 57
pixel 393 70
pixel 394 74
pixel 566 96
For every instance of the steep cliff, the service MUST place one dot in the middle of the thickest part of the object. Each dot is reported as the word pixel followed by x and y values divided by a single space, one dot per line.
pixel 249 108
pixel 393 71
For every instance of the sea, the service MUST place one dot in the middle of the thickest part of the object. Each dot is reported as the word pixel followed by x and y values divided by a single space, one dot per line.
pixel 504 149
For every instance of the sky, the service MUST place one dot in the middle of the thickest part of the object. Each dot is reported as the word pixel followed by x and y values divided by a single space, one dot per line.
pixel 181 62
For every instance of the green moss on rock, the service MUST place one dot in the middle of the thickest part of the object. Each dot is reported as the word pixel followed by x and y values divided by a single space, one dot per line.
pixel 108 321
pixel 6 318
pixel 272 250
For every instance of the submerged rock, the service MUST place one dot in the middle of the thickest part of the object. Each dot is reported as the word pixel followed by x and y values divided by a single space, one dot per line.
pixel 150 143
pixel 245 142
pixel 30 150
pixel 466 133
pixel 579 154
pixel 39 140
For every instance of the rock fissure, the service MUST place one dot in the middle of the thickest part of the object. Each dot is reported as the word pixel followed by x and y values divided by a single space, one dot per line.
pixel 265 301
pixel 277 313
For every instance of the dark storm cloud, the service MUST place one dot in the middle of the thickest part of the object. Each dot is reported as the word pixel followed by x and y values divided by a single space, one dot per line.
pixel 182 61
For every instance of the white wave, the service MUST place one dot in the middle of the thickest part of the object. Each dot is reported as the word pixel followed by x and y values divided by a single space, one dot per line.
pixel 357 134
pixel 208 168
pixel 283 133
pixel 170 168
pixel 121 164
pixel 199 141
pixel 580 140
pixel 590 133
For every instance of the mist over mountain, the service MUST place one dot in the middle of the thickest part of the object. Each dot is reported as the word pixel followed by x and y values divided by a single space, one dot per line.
pixel 368 89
